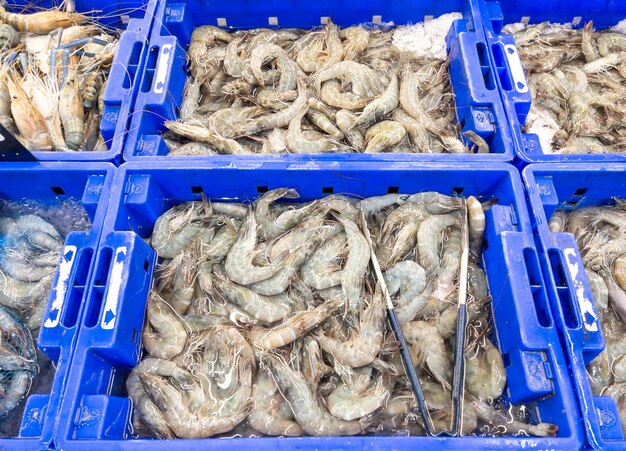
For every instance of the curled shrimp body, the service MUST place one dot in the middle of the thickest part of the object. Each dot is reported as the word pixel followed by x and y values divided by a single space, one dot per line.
pixel 20 295
pixel 363 347
pixel 320 271
pixel 383 135
pixel 407 279
pixel 310 415
pixel 166 336
pixel 267 416
pixel 485 372
pixel 267 309
pixel 381 106
pixel 238 265
pixel 176 228
pixel 294 327
pixel 210 418
pixel 427 346
pixel 148 411
pixel 428 239
pixel 360 397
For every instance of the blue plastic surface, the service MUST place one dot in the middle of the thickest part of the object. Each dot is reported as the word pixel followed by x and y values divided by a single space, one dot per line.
pixel 552 186
pixel 135 17
pixel 515 94
pixel 48 182
pixel 478 103
pixel 109 342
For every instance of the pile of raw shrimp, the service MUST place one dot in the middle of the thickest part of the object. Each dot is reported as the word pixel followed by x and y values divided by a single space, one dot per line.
pixel 31 242
pixel 577 80
pixel 601 238
pixel 53 71
pixel 326 90
pixel 265 319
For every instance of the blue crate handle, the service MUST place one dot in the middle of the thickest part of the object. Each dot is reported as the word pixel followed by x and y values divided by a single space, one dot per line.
pixel 526 330
pixel 116 93
pixel 589 332
pixel 118 326
pixel 54 332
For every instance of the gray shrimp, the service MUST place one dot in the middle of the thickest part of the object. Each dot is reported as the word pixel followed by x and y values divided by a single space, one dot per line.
pixel 311 417
pixel 381 106
pixel 239 261
pixel 363 347
pixel 165 335
pixel 267 309
pixel 294 327
pixel 429 239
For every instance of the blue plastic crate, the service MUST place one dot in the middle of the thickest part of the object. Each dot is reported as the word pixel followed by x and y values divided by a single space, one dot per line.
pixel 135 17
pixel 478 103
pixel 510 78
pixel 48 182
pixel 552 186
pixel 109 343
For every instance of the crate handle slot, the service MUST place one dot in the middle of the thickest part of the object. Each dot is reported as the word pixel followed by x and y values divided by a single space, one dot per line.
pixel 124 68
pixel 573 287
pixel 537 289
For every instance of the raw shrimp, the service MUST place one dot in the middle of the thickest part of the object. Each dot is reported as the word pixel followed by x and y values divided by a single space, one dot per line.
pixel 407 279
pixel 298 143
pixel 427 347
pixel 311 417
pixel 399 233
pixel 345 120
pixel 238 263
pixel 383 135
pixel 331 94
pixel 28 119
pixel 557 221
pixel 360 397
pixel 271 225
pixel 356 264
pixel 365 82
pixel 428 239
pixel 280 119
pixel 324 123
pixel 599 290
pixel 381 106
pixel 199 424
pixel 364 345
pixel 294 327
pixel 500 420
pixel 267 416
pixel 375 204
pixel 437 203
pixel 166 335
pixel 71 111
pixel 485 375
pixel 267 309
pixel 148 411
pixel 41 22
pixel 320 271
pixel 176 228
pixel 23 296
pixel 356 39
